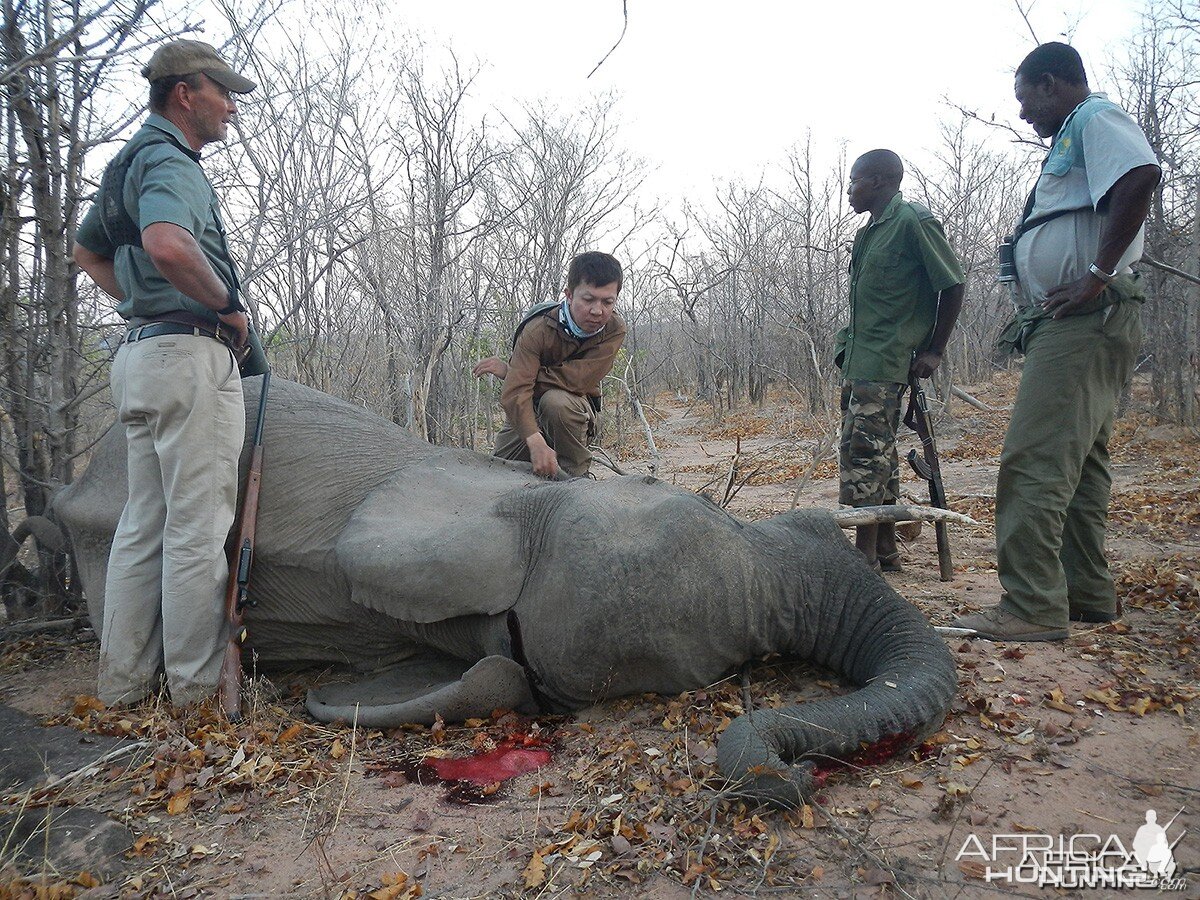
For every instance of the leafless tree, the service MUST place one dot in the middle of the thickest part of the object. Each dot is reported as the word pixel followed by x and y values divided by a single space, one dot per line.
pixel 976 191
pixel 1158 85
pixel 309 185
pixel 820 226
pixel 562 186
pixel 57 62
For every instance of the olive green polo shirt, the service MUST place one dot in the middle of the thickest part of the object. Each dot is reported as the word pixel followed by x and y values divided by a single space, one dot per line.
pixel 163 184
pixel 901 261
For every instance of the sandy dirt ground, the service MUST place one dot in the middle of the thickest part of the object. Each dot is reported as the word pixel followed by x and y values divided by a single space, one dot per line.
pixel 1044 740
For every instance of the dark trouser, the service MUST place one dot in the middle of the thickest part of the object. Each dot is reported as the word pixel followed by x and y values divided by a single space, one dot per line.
pixel 566 421
pixel 1054 484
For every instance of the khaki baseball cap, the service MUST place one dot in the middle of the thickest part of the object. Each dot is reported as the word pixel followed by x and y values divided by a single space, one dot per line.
pixel 189 57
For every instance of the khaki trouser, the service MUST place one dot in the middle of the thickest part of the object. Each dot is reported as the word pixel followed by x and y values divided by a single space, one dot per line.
pixel 1054 484
pixel 180 400
pixel 567 422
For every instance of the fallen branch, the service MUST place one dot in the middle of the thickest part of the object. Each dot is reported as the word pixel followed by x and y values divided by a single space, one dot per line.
pixel 600 455
pixel 40 626
pixel 951 631
pixel 873 515
pixel 747 699
pixel 742 483
pixel 641 414
pixel 712 824
pixel 93 766
pixel 964 396
pixel 822 450
pixel 858 845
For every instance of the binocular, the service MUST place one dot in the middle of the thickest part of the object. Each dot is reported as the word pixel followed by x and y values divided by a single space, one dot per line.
pixel 1006 269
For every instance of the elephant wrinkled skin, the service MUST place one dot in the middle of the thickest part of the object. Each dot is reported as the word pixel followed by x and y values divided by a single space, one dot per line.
pixel 414 563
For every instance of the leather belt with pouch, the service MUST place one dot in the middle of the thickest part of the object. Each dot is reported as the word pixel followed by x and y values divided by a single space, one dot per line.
pixel 177 322
pixel 251 360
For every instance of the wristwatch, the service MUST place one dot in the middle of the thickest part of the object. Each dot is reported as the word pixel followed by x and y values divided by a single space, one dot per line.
pixel 1106 277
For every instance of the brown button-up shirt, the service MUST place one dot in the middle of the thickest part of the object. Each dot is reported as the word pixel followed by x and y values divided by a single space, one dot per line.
pixel 547 356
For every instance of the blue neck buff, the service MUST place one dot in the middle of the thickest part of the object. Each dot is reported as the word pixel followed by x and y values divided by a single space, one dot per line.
pixel 578 333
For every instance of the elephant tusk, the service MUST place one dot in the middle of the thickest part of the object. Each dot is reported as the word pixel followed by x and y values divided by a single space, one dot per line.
pixel 873 515
pixel 47 534
pixel 950 631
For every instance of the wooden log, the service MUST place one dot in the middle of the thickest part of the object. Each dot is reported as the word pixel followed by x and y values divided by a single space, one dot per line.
pixel 40 626
pixel 973 401
pixel 873 515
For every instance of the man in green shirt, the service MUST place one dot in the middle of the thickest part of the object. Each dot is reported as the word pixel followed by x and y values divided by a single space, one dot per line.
pixel 158 247
pixel 906 290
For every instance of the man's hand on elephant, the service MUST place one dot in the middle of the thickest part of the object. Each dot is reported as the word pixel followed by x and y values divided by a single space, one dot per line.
pixel 542 455
pixel 1072 298
pixel 493 365
pixel 926 363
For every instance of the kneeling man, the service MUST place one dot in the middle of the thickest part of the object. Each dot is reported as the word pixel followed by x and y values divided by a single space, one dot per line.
pixel 552 380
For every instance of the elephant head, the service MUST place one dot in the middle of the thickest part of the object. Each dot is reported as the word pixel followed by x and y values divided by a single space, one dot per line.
pixel 462 583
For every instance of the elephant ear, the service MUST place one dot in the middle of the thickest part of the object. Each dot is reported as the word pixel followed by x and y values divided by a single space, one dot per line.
pixel 420 689
pixel 421 548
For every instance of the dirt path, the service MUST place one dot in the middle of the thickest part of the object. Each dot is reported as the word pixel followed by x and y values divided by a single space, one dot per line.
pixel 1080 737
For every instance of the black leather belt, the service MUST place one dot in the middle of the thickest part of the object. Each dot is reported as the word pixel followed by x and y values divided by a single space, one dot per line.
pixel 158 329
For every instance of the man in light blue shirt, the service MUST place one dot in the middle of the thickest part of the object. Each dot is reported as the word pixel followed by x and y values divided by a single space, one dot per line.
pixel 1080 329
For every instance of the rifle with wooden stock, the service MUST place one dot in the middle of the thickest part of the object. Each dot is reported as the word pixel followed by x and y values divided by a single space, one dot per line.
pixel 917 418
pixel 237 594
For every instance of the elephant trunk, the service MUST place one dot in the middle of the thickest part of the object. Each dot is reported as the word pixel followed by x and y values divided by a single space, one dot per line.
pixel 878 641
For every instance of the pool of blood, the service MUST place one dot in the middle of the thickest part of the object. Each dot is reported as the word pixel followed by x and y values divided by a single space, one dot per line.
pixel 507 761
pixel 869 755
pixel 477 778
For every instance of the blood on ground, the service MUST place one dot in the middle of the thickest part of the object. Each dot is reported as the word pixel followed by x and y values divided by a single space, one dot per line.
pixel 475 778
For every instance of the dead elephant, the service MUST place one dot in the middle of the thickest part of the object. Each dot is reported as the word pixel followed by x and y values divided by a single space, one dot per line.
pixel 463 583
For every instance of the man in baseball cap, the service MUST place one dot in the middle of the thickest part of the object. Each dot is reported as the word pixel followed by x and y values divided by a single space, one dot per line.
pixel 155 241
pixel 190 57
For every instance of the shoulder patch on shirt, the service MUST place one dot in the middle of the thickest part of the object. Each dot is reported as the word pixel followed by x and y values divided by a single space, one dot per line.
pixel 1067 151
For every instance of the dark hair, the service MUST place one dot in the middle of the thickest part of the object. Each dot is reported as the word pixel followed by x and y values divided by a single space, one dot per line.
pixel 885 164
pixel 1057 59
pixel 160 88
pixel 596 269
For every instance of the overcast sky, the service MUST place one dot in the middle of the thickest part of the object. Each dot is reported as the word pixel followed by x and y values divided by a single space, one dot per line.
pixel 711 90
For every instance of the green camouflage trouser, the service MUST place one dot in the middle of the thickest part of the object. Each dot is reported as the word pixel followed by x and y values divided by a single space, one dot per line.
pixel 870 471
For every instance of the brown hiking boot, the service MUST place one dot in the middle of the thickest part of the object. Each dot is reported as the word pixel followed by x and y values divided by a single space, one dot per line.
pixel 996 624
